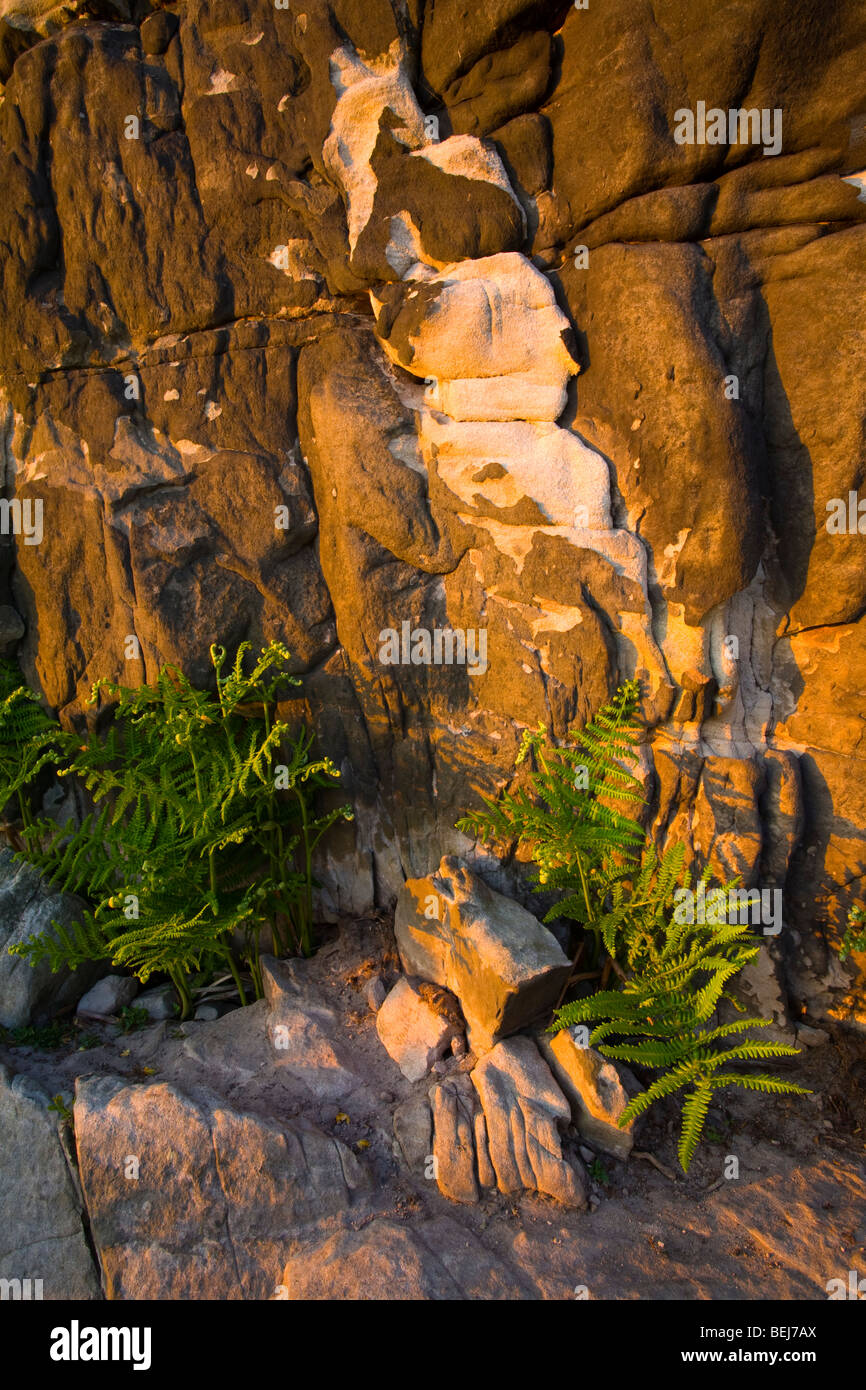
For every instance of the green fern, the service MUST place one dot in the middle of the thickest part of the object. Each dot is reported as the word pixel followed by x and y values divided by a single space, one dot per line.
pixel 569 815
pixel 26 735
pixel 202 832
pixel 679 973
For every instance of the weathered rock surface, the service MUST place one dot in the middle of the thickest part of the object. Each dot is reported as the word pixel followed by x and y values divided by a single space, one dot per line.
pixel 416 1028
pixel 28 905
pixel 502 964
pixel 499 1128
pixel 41 1235
pixel 304 1033
pixel 594 1089
pixel 460 1160
pixel 524 1108
pixel 184 1196
pixel 434 1260
pixel 413 1132
pixel 368 252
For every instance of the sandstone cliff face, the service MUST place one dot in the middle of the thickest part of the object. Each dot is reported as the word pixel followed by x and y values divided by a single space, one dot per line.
pixel 322 320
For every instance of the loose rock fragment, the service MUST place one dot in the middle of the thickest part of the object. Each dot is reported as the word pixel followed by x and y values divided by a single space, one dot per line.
pixel 503 965
pixel 107 996
pixel 455 1111
pixel 595 1091
pixel 413 1132
pixel 413 1032
pixel 523 1108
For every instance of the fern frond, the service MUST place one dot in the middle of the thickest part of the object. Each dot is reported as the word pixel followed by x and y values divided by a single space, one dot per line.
pixel 695 1109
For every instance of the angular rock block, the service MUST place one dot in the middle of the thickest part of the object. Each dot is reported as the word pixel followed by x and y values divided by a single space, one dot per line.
pixel 523 1108
pixel 595 1090
pixel 42 1235
pixel 492 338
pixel 500 1128
pixel 503 965
pixel 416 1029
pixel 28 905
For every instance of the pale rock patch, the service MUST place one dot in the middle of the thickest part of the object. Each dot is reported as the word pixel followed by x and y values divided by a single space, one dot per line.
pixel 291 259
pixel 366 88
pixel 504 464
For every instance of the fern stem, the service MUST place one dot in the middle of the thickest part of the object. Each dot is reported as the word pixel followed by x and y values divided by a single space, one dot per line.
pixel 176 975
pixel 585 887
pixel 306 908
pixel 255 964
pixel 230 960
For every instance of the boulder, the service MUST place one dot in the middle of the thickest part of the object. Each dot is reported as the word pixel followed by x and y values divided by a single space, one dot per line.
pixel 109 995
pixel 28 905
pixel 42 1236
pixel 416 1027
pixel 186 1195
pixel 594 1089
pixel 524 1110
pixel 504 967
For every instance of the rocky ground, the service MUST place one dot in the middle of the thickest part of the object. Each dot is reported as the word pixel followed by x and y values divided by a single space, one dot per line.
pixel 266 1172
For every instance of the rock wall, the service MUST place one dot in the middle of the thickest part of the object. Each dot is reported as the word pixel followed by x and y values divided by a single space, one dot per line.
pixel 346 323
